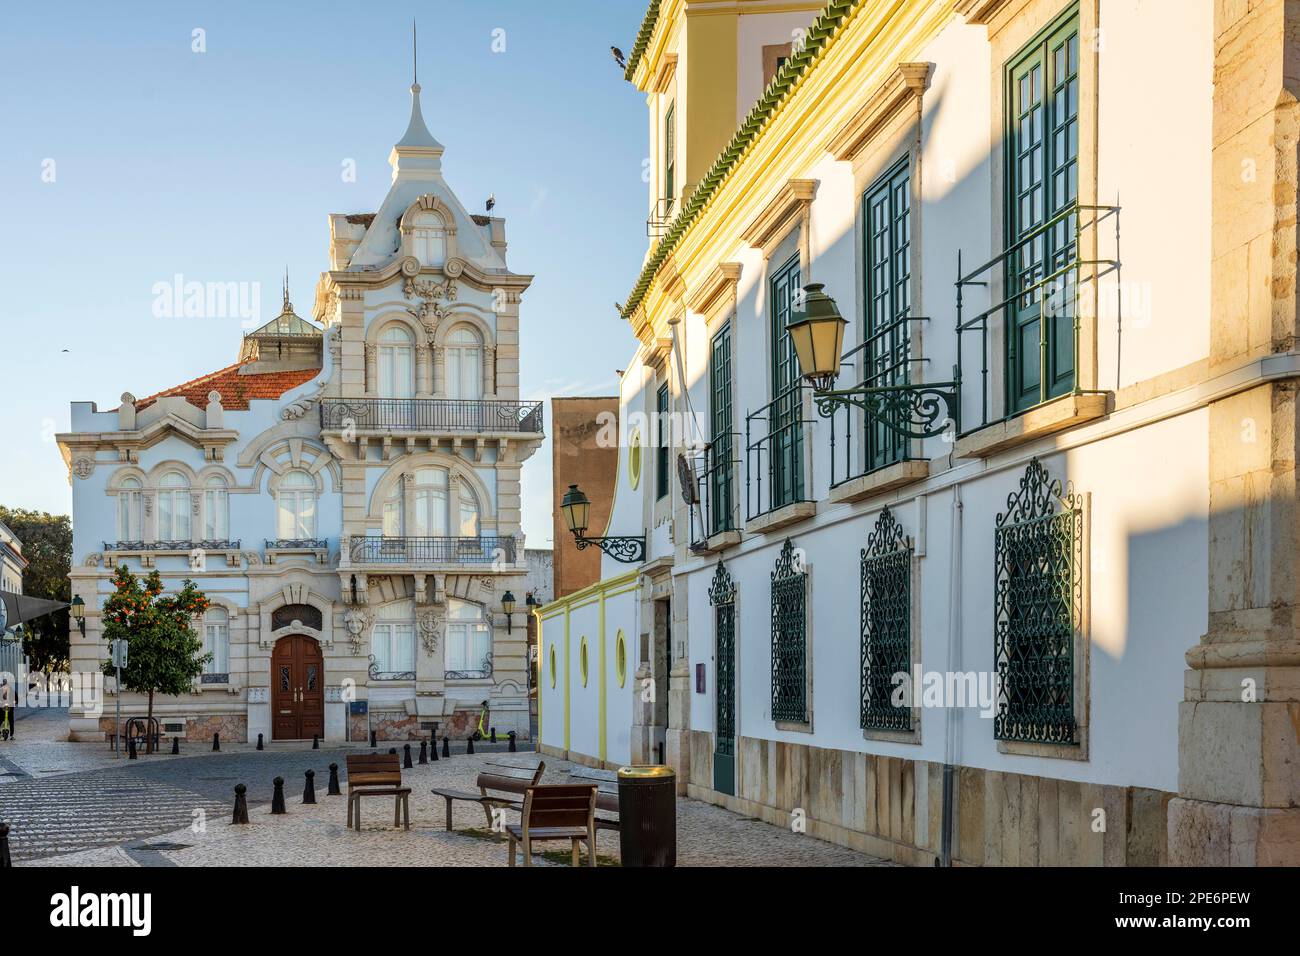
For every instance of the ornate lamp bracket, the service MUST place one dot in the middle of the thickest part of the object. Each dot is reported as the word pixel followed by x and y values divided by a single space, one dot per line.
pixel 913 411
pixel 627 549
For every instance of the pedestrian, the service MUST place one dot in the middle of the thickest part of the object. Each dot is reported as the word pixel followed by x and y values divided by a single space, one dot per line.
pixel 6 709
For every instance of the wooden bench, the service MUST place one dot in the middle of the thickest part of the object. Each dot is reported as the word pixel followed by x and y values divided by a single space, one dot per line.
pixel 556 812
pixel 500 784
pixel 606 782
pixel 377 775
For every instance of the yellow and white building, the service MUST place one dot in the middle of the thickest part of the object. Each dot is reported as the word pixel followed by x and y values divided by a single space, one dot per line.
pixel 1062 233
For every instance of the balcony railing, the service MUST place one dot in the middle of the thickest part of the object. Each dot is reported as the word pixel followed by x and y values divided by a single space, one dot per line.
pixel 431 415
pixel 861 443
pixel 207 545
pixel 715 510
pixel 1039 279
pixel 774 453
pixel 662 217
pixel 480 550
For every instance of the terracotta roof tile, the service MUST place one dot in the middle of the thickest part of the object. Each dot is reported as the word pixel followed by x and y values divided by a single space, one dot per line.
pixel 236 390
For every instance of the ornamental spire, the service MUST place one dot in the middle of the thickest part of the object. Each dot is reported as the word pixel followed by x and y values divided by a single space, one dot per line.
pixel 417 135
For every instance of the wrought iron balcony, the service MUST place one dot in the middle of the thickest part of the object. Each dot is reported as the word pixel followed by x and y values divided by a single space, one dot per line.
pixel 862 440
pixel 480 550
pixel 774 453
pixel 431 415
pixel 186 546
pixel 295 544
pixel 714 502
pixel 1035 286
pixel 662 217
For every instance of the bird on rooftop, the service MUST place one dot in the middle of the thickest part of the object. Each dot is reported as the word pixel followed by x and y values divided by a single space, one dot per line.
pixel 491 202
pixel 618 57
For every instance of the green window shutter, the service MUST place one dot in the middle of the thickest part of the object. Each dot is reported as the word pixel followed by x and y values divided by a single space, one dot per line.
pixel 670 155
pixel 1042 182
pixel 1038 594
pixel 785 419
pixel 721 479
pixel 722 596
pixel 887 246
pixel 886 618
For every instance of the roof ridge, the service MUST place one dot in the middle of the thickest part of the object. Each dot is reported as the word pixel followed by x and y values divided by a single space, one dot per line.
pixel 165 392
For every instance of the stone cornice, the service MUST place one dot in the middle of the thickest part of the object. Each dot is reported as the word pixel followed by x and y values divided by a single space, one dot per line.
pixel 979 11
pixel 720 283
pixel 905 84
pixel 346 281
pixel 792 201
pixel 667 71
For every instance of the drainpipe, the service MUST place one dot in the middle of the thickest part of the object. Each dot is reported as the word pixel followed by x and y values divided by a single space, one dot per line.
pixel 951 727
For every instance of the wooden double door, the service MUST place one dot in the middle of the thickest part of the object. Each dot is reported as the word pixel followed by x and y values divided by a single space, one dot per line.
pixel 297 689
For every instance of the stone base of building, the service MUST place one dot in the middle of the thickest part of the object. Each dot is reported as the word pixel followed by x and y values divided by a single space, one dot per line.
pixel 1221 834
pixel 232 727
pixel 401 726
pixel 893 808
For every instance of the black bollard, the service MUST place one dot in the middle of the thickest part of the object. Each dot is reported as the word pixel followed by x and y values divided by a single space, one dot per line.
pixel 176 746
pixel 130 748
pixel 372 739
pixel 309 792
pixel 5 862
pixel 333 789
pixel 216 742
pixel 392 751
pixel 494 735
pixel 315 742
pixel 446 746
pixel 424 752
pixel 277 798
pixel 469 746
pixel 406 757
pixel 513 748
pixel 259 742
pixel 241 805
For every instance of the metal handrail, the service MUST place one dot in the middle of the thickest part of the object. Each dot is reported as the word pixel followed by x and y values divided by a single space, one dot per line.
pixel 755 449
pixel 715 471
pixel 1076 215
pixel 480 549
pixel 432 414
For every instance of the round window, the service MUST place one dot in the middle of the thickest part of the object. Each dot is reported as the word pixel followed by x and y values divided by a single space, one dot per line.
pixel 620 659
pixel 634 458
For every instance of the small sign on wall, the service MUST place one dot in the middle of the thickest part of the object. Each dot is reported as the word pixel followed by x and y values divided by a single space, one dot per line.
pixel 699 678
pixel 360 707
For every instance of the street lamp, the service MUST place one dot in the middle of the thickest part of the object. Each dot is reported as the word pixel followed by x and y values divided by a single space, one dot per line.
pixel 508 605
pixel 627 549
pixel 816 330
pixel 79 613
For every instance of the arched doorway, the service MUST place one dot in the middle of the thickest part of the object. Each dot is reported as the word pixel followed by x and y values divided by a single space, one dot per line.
pixel 297 689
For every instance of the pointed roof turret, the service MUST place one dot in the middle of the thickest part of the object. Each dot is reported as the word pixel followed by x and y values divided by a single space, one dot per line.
pixel 417 152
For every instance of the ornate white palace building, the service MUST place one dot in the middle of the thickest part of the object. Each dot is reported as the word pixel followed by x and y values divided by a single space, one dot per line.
pixel 346 495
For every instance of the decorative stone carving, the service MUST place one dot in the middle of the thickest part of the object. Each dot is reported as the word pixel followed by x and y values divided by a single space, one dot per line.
pixel 357 622
pixel 93 559
pixel 83 468
pixel 432 623
pixel 299 408
pixel 435 299
pixel 259 695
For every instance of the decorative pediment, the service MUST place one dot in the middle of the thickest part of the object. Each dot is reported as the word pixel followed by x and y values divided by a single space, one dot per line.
pixel 786 208
pixel 716 291
pixel 904 86
pixel 980 11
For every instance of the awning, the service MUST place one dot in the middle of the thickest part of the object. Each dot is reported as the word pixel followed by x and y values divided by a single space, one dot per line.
pixel 19 608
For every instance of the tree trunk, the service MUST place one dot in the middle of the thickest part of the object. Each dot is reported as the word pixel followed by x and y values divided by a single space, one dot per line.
pixel 148 728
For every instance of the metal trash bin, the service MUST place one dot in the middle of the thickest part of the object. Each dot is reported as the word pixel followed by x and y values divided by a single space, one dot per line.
pixel 647 816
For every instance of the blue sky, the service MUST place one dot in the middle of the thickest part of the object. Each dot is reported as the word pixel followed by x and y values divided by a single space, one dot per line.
pixel 223 166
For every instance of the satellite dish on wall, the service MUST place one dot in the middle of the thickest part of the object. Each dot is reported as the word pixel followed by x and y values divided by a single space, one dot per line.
pixel 686 478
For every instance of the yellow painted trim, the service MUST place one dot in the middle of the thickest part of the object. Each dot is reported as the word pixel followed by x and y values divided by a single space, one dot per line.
pixel 620 658
pixel 584 659
pixel 600 706
pixel 566 681
pixel 579 598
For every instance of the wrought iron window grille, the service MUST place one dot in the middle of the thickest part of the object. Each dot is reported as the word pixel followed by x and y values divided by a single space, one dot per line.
pixel 886 624
pixel 775 453
pixel 205 545
pixel 789 637
pixel 294 544
pixel 377 675
pixel 484 671
pixel 722 597
pixel 1038 594
pixel 714 509
pixel 481 549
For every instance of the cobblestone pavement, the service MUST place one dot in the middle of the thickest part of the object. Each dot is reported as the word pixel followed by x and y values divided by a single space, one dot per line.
pixel 170 811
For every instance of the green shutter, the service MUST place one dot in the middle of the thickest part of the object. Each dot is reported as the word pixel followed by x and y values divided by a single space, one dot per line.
pixel 663 451
pixel 721 494
pixel 786 446
pixel 1042 182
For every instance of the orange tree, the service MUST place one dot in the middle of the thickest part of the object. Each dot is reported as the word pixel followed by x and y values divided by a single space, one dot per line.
pixel 164 654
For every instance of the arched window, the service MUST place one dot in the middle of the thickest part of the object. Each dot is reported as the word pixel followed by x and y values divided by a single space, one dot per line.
pixel 216 641
pixel 429 507
pixel 216 516
pixel 467 516
pixel 129 510
pixel 469 639
pixel 296 506
pixel 429 239
pixel 173 507
pixel 392 640
pixel 396 363
pixel 286 614
pixel 395 511
pixel 464 364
